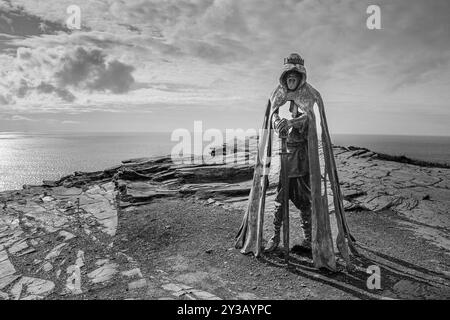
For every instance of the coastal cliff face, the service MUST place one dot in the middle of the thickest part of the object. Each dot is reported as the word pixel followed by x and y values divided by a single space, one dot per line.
pixel 60 239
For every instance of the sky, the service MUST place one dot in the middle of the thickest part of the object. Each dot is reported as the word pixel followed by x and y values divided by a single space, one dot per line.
pixel 159 65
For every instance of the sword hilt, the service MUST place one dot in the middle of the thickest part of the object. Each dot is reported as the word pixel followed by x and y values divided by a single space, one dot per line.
pixel 283 134
pixel 283 141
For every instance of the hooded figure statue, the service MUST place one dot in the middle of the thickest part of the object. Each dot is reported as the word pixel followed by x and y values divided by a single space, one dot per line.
pixel 309 190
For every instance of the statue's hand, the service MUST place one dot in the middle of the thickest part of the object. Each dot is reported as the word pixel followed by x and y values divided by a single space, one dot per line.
pixel 299 122
pixel 281 126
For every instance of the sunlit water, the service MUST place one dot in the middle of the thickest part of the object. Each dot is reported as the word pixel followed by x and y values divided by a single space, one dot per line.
pixel 30 158
pixel 428 148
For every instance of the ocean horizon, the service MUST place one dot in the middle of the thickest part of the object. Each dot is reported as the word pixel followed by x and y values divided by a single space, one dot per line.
pixel 29 158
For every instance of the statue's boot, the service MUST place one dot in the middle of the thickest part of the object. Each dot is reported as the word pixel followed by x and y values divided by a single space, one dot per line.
pixel 277 222
pixel 305 247
pixel 273 242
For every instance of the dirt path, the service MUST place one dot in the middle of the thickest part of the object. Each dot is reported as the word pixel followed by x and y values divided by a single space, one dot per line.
pixel 184 249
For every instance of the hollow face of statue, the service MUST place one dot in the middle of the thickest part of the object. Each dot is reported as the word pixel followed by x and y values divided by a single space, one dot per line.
pixel 292 82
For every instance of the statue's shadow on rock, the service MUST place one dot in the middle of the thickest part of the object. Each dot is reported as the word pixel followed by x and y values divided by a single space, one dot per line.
pixel 302 265
pixel 355 282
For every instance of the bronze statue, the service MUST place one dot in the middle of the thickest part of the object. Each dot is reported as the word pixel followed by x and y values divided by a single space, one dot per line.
pixel 306 183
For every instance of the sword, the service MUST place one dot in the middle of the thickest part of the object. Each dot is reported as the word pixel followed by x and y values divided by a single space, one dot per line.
pixel 285 187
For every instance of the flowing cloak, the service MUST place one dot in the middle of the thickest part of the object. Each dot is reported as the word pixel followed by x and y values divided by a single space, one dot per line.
pixel 249 236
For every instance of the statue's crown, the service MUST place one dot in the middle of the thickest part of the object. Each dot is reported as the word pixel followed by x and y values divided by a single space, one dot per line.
pixel 294 58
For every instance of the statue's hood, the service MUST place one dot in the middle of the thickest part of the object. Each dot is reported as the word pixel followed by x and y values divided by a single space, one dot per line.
pixel 293 67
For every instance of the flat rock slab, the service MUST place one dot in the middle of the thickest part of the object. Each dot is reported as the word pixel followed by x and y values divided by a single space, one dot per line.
pixel 104 273
pixel 66 235
pixel 7 280
pixel 56 251
pixel 3 254
pixel 405 289
pixel 7 270
pixel 18 246
pixel 136 272
pixel 4 296
pixel 32 288
pixel 105 213
pixel 50 219
pixel 179 290
pixel 147 190
pixel 138 284
pixel 204 295
pixel 47 267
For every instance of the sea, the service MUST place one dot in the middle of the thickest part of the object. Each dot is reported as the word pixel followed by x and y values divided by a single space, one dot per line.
pixel 29 158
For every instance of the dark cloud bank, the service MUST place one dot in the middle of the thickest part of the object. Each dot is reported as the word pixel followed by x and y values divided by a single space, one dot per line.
pixel 78 68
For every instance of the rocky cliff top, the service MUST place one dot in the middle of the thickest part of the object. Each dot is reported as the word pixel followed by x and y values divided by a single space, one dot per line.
pixel 56 236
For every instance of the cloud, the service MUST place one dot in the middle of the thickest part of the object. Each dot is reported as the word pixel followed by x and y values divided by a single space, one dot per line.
pixel 328 35
pixel 228 31
pixel 20 118
pixel 192 53
pixel 17 117
pixel 88 69
pixel 16 21
pixel 63 72
pixel 71 122
pixel 36 118
pixel 64 94
pixel 4 100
